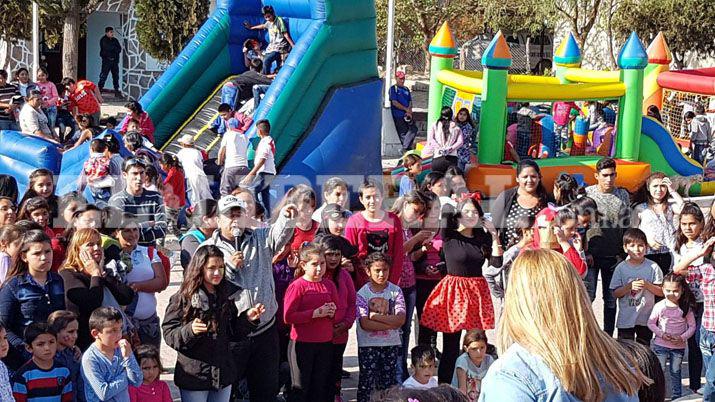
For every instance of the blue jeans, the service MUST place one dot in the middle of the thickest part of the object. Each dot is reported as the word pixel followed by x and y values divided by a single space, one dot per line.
pixel 606 265
pixel 676 359
pixel 259 90
pixel 707 346
pixel 268 60
pixel 8 125
pixel 410 302
pixel 222 395
pixel 51 113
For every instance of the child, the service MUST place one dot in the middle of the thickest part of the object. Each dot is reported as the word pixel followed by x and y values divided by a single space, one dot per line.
pixel 10 240
pixel 5 387
pixel 64 325
pixel 42 184
pixel 264 165
pixel 37 210
pixel 380 314
pixel 41 379
pixel 310 305
pixel 497 277
pixel 673 322
pixel 423 364
pixel 345 310
pixel 86 130
pixel 233 156
pixel 151 179
pixel 413 166
pixel 556 230
pixel 635 283
pixel 96 172
pixel 472 365
pixel 375 230
pixel 466 125
pixel 108 365
pixel 174 190
pixel 111 123
pixel 152 388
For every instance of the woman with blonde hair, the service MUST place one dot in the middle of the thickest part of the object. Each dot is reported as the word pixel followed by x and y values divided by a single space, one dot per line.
pixel 85 281
pixel 550 344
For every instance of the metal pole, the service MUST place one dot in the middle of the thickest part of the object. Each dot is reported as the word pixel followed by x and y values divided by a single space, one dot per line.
pixel 390 50
pixel 35 39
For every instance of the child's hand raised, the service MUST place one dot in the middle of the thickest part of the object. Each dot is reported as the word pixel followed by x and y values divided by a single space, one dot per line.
pixel 198 327
pixel 125 348
pixel 255 313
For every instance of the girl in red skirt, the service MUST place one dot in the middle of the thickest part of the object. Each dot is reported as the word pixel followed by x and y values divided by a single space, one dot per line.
pixel 461 300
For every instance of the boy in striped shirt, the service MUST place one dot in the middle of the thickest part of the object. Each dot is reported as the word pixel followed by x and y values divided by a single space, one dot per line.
pixel 40 379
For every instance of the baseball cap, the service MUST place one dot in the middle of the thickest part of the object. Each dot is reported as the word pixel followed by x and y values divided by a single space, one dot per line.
pixel 187 139
pixel 334 211
pixel 229 202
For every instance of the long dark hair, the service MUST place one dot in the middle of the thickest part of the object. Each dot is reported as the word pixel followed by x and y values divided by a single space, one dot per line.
pixel 540 189
pixel 689 208
pixel 469 117
pixel 642 195
pixel 452 224
pixel 20 267
pixel 171 161
pixel 194 280
pixel 66 236
pixel 445 117
pixel 8 187
pixel 687 299
pixel 568 189
pixel 331 242
pixel 31 193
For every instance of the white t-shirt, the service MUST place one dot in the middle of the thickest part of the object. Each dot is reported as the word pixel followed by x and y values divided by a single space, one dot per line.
pixel 191 161
pixel 266 150
pixel 475 374
pixel 414 384
pixel 143 271
pixel 32 120
pixel 236 144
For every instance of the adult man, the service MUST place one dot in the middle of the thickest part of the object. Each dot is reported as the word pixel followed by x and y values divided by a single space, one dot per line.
pixel 605 237
pixel 109 51
pixel 84 98
pixel 401 107
pixel 32 120
pixel 248 253
pixel 233 156
pixel 7 106
pixel 147 205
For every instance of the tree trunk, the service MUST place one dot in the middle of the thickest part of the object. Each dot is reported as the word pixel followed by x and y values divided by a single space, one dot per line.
pixel 528 55
pixel 70 41
pixel 609 31
pixel 425 50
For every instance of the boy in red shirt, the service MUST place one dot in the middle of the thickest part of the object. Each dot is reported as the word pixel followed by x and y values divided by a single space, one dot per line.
pixel 84 98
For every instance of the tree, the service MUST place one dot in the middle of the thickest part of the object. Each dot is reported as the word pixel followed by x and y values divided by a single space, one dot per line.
pixel 420 19
pixel 164 26
pixel 58 19
pixel 581 15
pixel 688 25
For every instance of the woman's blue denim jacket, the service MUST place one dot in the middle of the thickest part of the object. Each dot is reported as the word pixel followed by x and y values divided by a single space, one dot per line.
pixel 520 376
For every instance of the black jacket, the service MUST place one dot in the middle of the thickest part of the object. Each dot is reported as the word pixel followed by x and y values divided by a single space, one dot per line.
pixel 205 362
pixel 109 48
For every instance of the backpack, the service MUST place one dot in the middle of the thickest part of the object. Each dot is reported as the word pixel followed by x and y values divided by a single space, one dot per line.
pixel 165 263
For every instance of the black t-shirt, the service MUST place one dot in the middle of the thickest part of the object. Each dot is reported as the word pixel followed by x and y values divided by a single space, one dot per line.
pixel 246 81
pixel 464 255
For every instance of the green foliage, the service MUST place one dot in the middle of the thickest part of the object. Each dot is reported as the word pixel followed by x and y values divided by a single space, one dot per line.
pixel 523 16
pixel 688 25
pixel 164 26
pixel 16 18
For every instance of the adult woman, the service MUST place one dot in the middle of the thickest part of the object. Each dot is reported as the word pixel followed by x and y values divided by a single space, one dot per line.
pixel 86 285
pixel 8 211
pixel 23 82
pixel 31 291
pixel 203 225
pixel 136 112
pixel 200 323
pixel 654 215
pixel 461 300
pixel 145 276
pixel 547 300
pixel 444 139
pixel 527 199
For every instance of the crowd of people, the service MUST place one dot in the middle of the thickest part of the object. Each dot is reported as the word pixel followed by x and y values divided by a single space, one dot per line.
pixel 280 291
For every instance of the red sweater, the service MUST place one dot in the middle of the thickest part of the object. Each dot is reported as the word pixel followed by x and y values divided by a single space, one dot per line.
pixel 368 237
pixel 174 189
pixel 345 313
pixel 301 299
